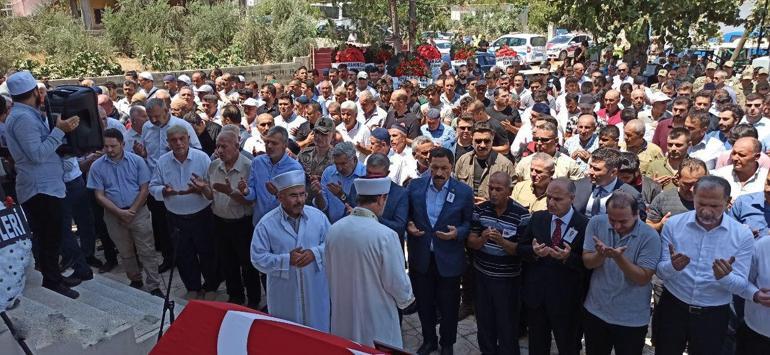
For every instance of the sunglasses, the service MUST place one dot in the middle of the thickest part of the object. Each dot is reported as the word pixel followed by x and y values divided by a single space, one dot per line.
pixel 541 139
pixel 464 128
pixel 753 105
pixel 479 141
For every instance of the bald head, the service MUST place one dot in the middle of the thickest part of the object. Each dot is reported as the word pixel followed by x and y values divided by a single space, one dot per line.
pixel 612 94
pixel 748 144
pixel 586 120
pixel 501 178
pixel 636 126
pixel 105 102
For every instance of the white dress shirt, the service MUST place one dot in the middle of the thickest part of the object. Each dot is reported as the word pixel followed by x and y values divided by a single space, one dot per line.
pixel 696 284
pixel 756 182
pixel 170 171
pixel 757 316
pixel 564 222
pixel 762 126
pixel 359 134
pixel 708 150
pixel 402 165
pixel 608 189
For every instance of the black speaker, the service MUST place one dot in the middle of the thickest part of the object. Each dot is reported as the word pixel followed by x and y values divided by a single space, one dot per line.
pixel 69 100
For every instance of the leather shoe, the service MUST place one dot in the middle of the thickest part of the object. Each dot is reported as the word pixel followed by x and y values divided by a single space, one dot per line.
pixel 64 291
pixel 94 262
pixel 465 311
pixel 107 267
pixel 85 275
pixel 447 350
pixel 70 281
pixel 137 284
pixel 427 348
pixel 157 293
pixel 163 267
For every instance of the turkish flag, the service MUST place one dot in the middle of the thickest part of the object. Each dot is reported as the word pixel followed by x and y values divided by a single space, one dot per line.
pixel 226 329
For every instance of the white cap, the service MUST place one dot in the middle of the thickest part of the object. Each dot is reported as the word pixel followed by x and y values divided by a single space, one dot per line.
pixel 204 88
pixel 21 82
pixel 289 179
pixel 250 102
pixel 185 79
pixel 242 78
pixel 659 97
pixel 146 76
pixel 362 75
pixel 372 187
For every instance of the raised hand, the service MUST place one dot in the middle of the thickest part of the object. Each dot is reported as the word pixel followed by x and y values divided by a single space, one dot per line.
pixel 762 297
pixel 561 253
pixel 678 260
pixel 412 229
pixel 271 188
pixel 169 191
pixel 335 189
pixel 450 235
pixel 243 187
pixel 197 184
pixel 68 125
pixel 225 188
pixel 541 250
pixel 315 185
pixel 139 149
pixel 722 267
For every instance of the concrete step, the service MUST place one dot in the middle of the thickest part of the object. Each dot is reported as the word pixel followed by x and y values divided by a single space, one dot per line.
pixel 100 325
pixel 42 326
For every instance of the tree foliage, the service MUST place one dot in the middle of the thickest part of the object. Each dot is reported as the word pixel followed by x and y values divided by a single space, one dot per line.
pixel 371 20
pixel 681 23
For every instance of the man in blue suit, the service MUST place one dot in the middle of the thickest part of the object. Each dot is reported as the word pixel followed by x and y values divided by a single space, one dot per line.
pixel 440 211
pixel 396 207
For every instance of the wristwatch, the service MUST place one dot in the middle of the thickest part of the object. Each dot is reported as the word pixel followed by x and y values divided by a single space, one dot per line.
pixel 344 197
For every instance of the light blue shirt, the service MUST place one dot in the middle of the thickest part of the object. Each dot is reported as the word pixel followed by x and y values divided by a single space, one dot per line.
pixel 612 297
pixel 263 171
pixel 71 169
pixel 177 174
pixel 120 180
pixel 335 208
pixel 129 138
pixel 752 210
pixel 434 201
pixel 113 123
pixel 696 284
pixel 33 147
pixel 757 315
pixel 443 135
pixel 155 142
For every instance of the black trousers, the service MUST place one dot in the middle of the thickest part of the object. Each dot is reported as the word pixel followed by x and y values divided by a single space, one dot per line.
pixel 679 327
pixel 195 254
pixel 749 342
pixel 497 314
pixel 233 242
pixel 565 326
pixel 603 337
pixel 44 214
pixel 160 229
pixel 431 290
pixel 467 282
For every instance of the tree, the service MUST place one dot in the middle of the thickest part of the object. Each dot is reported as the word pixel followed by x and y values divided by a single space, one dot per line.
pixel 680 23
pixel 372 27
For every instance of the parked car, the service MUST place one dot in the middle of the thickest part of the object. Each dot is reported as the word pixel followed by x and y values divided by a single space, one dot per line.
pixel 563 46
pixel 444 47
pixel 531 47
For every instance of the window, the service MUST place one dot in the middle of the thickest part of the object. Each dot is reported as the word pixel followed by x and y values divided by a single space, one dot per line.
pixel 517 41
pixel 560 39
pixel 537 41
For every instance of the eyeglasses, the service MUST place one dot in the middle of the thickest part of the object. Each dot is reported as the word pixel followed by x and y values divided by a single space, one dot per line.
pixel 622 69
pixel 541 139
pixel 464 128
pixel 753 105
pixel 479 141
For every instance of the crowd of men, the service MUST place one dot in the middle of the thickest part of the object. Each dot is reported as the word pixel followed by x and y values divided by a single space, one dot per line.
pixel 579 203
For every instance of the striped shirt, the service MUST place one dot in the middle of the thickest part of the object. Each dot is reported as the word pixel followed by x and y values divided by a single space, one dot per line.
pixel 491 259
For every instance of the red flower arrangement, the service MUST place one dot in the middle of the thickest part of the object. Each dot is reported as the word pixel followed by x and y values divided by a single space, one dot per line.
pixel 412 66
pixel 350 54
pixel 428 52
pixel 505 52
pixel 382 55
pixel 464 54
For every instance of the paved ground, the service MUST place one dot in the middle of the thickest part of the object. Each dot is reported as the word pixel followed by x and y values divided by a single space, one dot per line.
pixel 466 329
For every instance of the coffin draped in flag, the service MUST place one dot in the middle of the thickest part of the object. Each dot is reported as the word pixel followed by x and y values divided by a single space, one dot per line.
pixel 227 329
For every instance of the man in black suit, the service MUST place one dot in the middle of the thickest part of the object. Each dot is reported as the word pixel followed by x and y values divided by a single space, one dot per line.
pixel 592 192
pixel 553 281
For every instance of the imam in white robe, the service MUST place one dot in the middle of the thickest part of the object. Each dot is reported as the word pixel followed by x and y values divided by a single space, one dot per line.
pixel 367 280
pixel 300 295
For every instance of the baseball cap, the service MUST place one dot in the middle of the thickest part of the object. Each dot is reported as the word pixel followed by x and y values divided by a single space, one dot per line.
pixel 21 82
pixel 729 64
pixel 250 102
pixel 662 72
pixel 169 77
pixel 762 71
pixel 185 79
pixel 711 65
pixel 146 76
pixel 381 134
pixel 324 125
pixel 659 97
pixel 205 88
pixel 302 100
pixel 362 75
pixel 747 75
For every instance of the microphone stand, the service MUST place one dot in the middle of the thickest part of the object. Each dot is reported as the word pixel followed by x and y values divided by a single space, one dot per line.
pixel 168 303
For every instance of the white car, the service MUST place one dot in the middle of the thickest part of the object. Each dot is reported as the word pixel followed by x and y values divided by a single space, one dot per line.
pixel 562 46
pixel 531 47
pixel 443 46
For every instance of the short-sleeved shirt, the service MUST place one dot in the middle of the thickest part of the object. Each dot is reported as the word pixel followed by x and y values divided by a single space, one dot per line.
pixel 120 180
pixel 501 135
pixel 510 115
pixel 409 120
pixel 668 201
pixel 753 211
pixel 492 260
pixel 612 297
pixel 523 194
pixel 224 206
pixel 660 168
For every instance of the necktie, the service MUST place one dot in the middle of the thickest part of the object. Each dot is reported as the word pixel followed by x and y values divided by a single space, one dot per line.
pixel 556 237
pixel 596 207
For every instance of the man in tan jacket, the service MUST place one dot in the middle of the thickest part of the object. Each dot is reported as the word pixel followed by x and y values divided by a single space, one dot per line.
pixel 474 168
